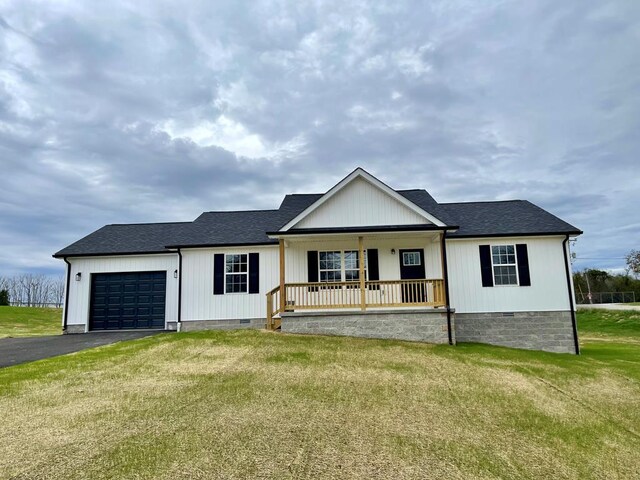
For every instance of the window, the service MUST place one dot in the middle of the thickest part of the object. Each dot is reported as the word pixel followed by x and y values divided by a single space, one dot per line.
pixel 334 266
pixel 410 258
pixel 236 274
pixel 330 266
pixel 503 259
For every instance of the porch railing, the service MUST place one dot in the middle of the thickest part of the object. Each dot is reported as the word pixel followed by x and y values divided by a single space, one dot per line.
pixel 273 307
pixel 347 295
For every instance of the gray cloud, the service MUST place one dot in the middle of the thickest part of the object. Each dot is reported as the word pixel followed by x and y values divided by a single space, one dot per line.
pixel 119 112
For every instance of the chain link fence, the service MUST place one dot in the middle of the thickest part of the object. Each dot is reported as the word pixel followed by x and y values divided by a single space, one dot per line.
pixel 605 297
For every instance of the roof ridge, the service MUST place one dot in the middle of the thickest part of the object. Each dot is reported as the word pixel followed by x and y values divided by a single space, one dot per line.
pixel 241 211
pixel 482 201
pixel 143 223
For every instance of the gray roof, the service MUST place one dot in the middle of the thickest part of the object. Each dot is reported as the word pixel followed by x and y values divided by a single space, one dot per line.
pixel 126 239
pixel 473 219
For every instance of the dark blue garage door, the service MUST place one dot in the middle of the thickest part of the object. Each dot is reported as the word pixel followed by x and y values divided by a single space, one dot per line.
pixel 127 300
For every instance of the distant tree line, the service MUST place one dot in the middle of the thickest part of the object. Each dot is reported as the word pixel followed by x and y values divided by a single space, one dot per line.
pixel 598 286
pixel 32 290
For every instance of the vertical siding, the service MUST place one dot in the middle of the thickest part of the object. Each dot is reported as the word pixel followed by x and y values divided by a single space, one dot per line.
pixel 361 204
pixel 79 292
pixel 548 290
pixel 198 300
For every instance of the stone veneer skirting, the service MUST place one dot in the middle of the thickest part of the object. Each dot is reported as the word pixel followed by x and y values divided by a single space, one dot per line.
pixel 415 324
pixel 226 324
pixel 549 331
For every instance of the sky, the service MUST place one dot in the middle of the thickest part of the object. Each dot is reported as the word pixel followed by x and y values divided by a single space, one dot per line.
pixel 148 111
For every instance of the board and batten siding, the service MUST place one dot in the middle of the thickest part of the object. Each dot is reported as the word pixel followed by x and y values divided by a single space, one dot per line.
pixel 389 264
pixel 80 291
pixel 361 204
pixel 198 300
pixel 548 290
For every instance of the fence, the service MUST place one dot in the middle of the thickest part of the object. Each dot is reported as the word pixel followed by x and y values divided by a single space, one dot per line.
pixel 37 304
pixel 605 297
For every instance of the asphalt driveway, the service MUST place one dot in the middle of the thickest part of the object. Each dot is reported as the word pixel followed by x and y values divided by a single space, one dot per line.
pixel 14 351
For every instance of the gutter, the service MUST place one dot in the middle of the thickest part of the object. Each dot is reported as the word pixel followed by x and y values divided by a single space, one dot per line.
pixel 446 284
pixel 569 290
pixel 179 322
pixel 66 295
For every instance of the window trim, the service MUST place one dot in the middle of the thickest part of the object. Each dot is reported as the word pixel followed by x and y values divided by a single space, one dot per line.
pixel 343 269
pixel 246 274
pixel 419 264
pixel 515 264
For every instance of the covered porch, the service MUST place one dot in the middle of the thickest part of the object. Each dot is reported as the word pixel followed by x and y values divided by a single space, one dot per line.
pixel 322 272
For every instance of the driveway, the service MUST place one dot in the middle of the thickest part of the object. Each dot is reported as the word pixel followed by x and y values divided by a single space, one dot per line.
pixel 609 306
pixel 14 351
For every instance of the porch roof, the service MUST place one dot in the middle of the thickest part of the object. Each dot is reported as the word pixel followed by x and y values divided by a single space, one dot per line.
pixel 355 230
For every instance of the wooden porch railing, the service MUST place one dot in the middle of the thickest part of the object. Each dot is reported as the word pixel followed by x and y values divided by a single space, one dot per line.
pixel 343 295
pixel 273 308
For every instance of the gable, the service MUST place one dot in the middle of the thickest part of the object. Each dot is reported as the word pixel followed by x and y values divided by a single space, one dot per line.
pixel 359 204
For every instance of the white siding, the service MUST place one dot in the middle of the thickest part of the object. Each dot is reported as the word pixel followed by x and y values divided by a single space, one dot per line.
pixel 548 290
pixel 361 204
pixel 198 300
pixel 80 291
pixel 389 264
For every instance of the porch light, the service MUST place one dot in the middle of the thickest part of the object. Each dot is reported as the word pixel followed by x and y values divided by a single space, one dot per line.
pixel 78 276
pixel 175 273
pixel 393 251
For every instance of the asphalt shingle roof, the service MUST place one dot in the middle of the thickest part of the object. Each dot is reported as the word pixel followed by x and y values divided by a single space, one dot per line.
pixel 502 218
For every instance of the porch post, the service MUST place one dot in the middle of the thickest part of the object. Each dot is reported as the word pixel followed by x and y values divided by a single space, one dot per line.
pixel 283 292
pixel 443 260
pixel 363 304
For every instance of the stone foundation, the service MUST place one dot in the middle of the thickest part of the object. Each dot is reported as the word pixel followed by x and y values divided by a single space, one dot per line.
pixel 423 325
pixel 72 329
pixel 227 324
pixel 549 331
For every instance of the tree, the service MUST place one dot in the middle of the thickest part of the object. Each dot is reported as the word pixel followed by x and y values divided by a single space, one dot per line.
pixel 633 262
pixel 4 297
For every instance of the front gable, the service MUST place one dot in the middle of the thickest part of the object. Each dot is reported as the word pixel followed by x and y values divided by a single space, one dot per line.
pixel 361 200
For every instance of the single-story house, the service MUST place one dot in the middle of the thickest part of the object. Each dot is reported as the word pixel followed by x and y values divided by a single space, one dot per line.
pixel 362 259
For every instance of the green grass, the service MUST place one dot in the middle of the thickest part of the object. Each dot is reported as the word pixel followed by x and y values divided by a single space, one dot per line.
pixel 252 404
pixel 29 321
pixel 609 322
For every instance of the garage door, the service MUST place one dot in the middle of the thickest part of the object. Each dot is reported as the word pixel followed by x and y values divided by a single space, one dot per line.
pixel 127 300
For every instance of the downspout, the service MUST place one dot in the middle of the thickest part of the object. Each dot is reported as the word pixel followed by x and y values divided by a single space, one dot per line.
pixel 445 276
pixel 179 323
pixel 66 295
pixel 569 290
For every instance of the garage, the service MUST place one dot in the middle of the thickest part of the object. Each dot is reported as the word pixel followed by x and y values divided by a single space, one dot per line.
pixel 128 300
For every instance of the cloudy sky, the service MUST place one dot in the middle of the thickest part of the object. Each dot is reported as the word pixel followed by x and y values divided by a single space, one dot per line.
pixel 143 111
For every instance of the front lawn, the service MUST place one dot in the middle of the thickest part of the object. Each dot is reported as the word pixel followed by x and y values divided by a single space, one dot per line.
pixel 29 321
pixel 252 404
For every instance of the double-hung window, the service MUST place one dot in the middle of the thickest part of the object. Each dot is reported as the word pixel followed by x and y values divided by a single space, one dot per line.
pixel 503 259
pixel 236 273
pixel 334 266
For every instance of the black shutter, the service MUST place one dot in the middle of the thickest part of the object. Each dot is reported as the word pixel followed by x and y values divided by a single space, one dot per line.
pixel 254 273
pixel 218 274
pixel 523 265
pixel 485 265
pixel 312 268
pixel 373 267
pixel 372 259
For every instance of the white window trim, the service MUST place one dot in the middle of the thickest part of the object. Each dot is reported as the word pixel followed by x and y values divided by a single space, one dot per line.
pixel 235 273
pixel 413 264
pixel 342 265
pixel 493 272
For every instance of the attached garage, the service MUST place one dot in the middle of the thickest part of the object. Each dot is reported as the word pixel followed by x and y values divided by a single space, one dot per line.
pixel 128 300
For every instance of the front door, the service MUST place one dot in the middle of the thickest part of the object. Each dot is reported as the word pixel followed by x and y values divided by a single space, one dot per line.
pixel 412 268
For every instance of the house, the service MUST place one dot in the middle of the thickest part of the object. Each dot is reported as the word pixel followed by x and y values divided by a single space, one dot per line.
pixel 493 272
